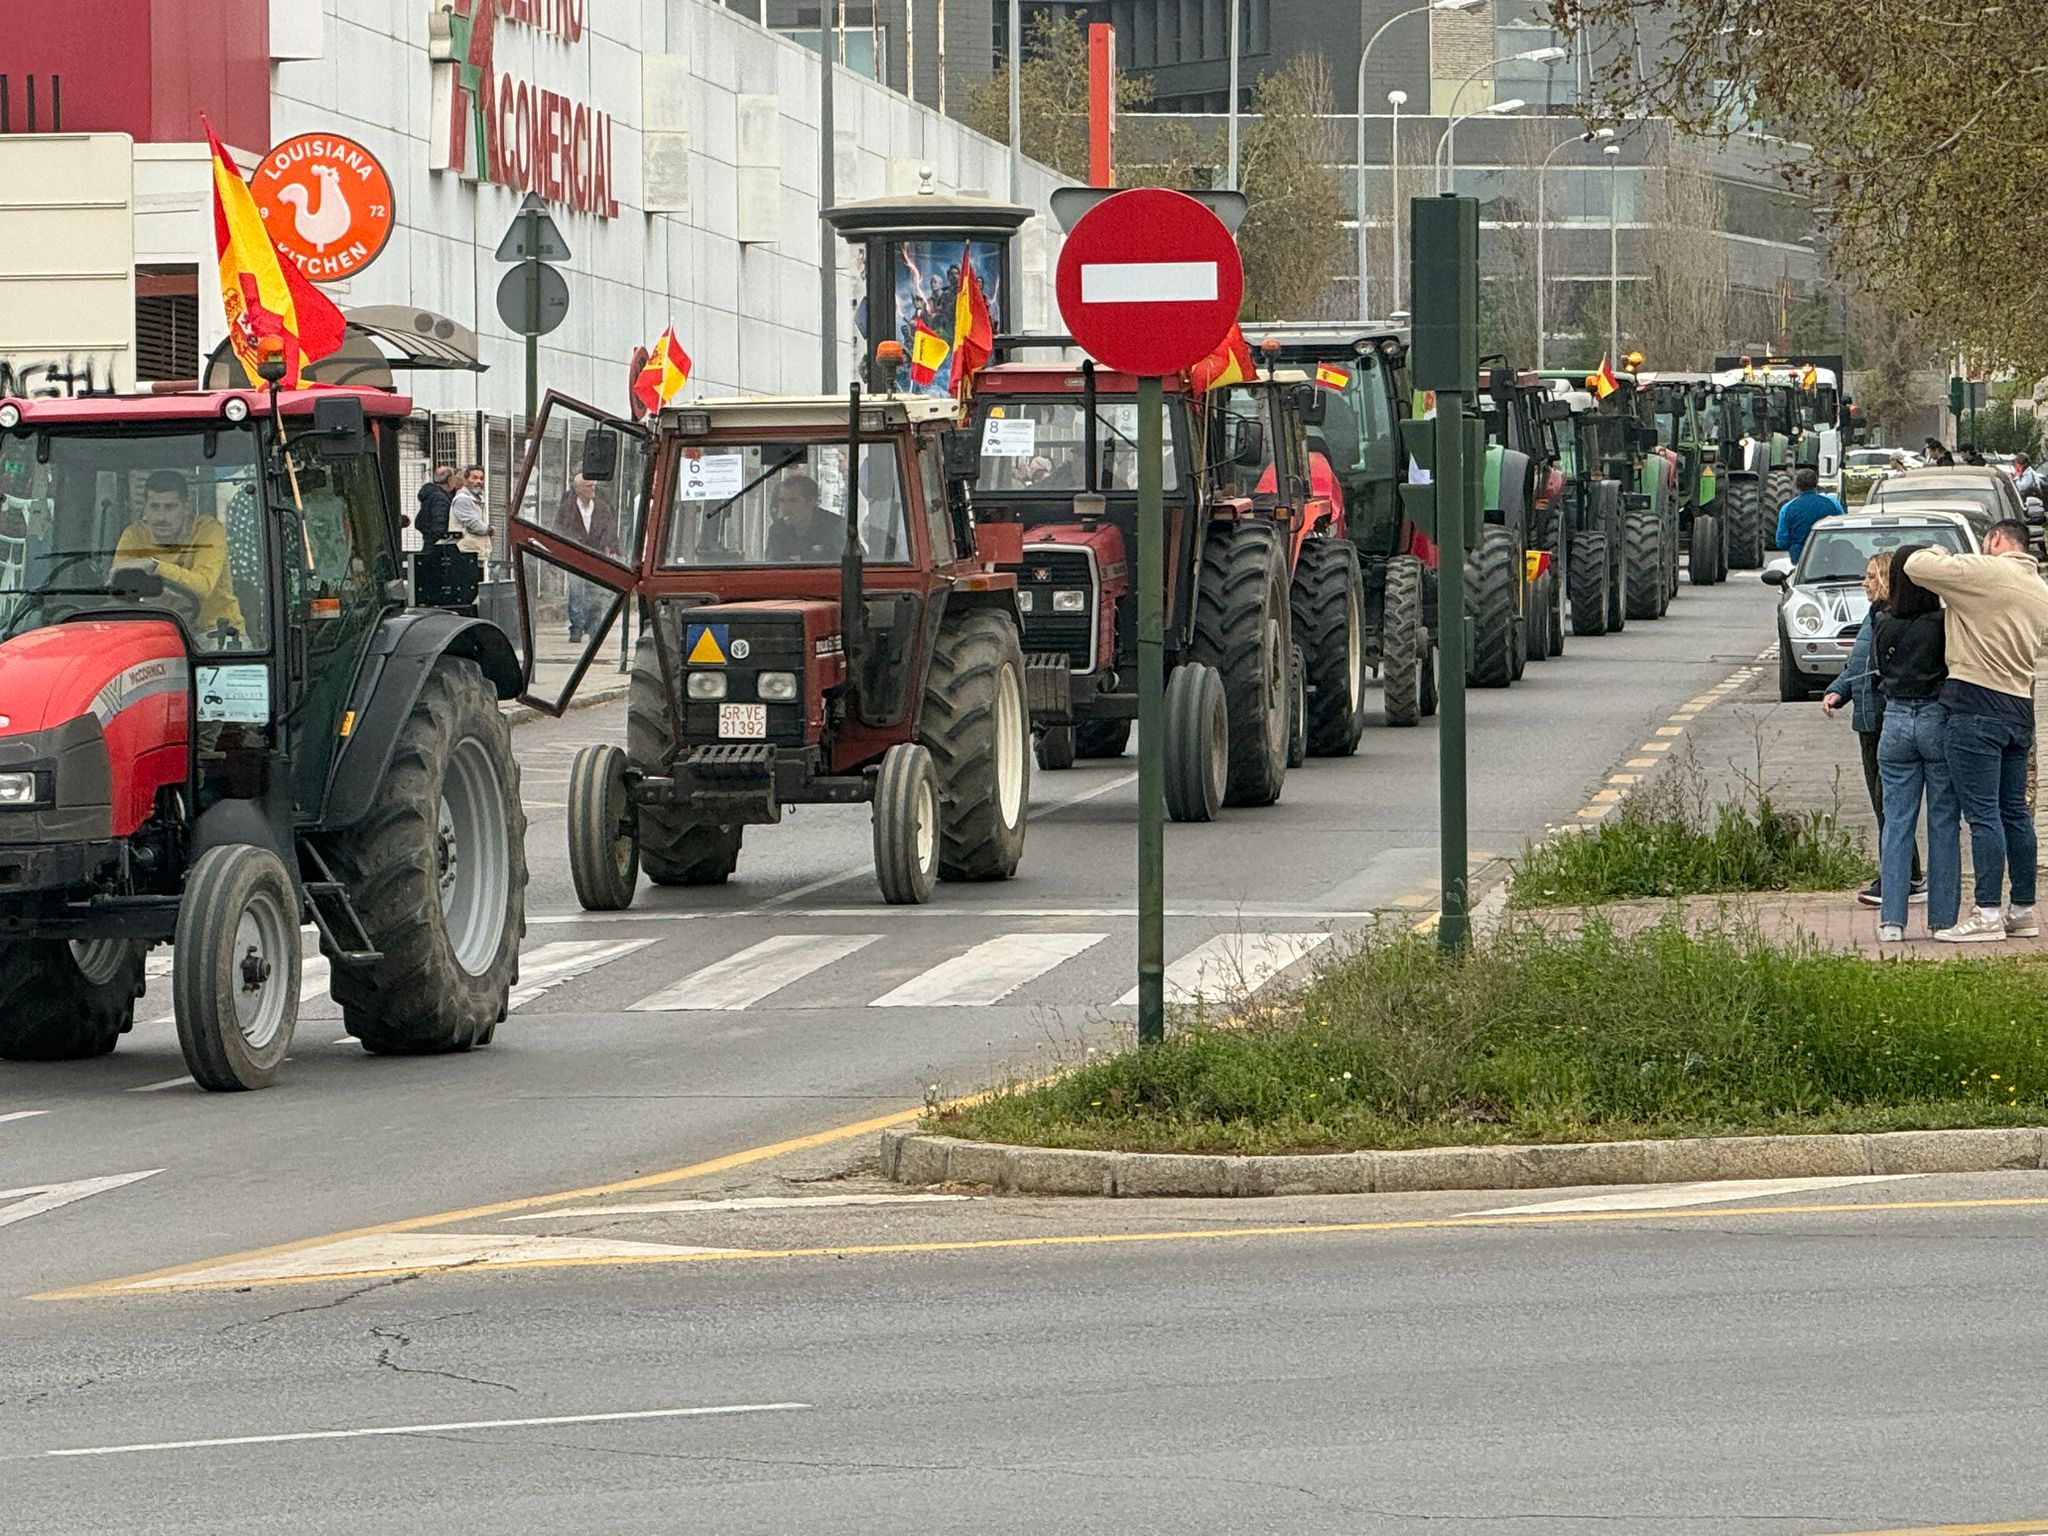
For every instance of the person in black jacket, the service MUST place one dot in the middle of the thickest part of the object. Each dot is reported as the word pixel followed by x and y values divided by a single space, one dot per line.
pixel 1908 649
pixel 435 497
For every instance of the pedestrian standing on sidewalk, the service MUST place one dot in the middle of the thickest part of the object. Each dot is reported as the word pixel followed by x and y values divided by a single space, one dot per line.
pixel 1997 617
pixel 471 524
pixel 1912 755
pixel 1857 687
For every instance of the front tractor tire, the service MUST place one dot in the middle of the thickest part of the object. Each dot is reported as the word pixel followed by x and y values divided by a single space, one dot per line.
pixel 1703 562
pixel 1242 628
pixel 235 973
pixel 1101 738
pixel 906 825
pixel 675 847
pixel 1491 576
pixel 1743 506
pixel 437 873
pixel 1329 622
pixel 604 838
pixel 1778 489
pixel 63 1001
pixel 1643 549
pixel 977 728
pixel 1054 748
pixel 1586 577
pixel 1407 665
pixel 1197 743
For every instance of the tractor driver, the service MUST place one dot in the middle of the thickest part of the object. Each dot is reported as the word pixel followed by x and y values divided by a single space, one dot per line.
pixel 189 552
pixel 804 533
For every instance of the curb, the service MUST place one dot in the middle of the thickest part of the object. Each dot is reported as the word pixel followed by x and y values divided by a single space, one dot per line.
pixel 912 1157
pixel 611 693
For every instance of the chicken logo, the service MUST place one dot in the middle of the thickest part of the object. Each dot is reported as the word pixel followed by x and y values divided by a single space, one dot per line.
pixel 326 202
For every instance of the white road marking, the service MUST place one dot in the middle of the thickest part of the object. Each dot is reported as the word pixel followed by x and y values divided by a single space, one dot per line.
pixel 169 1082
pixel 741 980
pixel 373 1431
pixel 1148 282
pixel 563 960
pixel 748 1203
pixel 21 1114
pixel 397 1253
pixel 1663 1197
pixel 1224 910
pixel 1231 965
pixel 38 1199
pixel 988 972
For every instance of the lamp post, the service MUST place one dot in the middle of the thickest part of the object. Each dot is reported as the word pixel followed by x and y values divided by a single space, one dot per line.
pixel 1395 100
pixel 1613 153
pixel 1016 103
pixel 1542 283
pixel 1446 7
pixel 1447 142
pixel 1233 94
pixel 1447 146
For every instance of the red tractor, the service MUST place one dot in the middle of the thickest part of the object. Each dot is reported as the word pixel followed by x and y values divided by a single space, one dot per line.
pixel 820 624
pixel 219 720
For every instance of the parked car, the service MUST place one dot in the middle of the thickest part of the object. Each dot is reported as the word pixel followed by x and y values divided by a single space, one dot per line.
pixel 1822 603
pixel 1862 468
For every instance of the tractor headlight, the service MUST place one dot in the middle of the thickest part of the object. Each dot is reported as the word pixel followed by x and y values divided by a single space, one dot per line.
pixel 706 685
pixel 236 409
pixel 1070 602
pixel 19 791
pixel 10 417
pixel 775 687
pixel 1807 618
pixel 1024 597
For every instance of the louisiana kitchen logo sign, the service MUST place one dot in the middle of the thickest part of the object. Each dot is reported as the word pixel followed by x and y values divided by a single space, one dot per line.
pixel 489 125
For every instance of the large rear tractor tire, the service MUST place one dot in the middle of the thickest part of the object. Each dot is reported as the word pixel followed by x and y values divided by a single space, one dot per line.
pixel 1101 738
pixel 1490 578
pixel 1546 624
pixel 1586 576
pixel 437 872
pixel 235 977
pixel 1703 560
pixel 1242 628
pixel 675 847
pixel 1329 621
pixel 604 837
pixel 1404 643
pixel 1643 546
pixel 906 825
pixel 63 1001
pixel 1197 743
pixel 1743 507
pixel 978 730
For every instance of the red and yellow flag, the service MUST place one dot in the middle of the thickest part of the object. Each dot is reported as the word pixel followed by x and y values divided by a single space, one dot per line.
pixel 1603 383
pixel 974 335
pixel 1230 363
pixel 928 354
pixel 1330 376
pixel 266 297
pixel 664 374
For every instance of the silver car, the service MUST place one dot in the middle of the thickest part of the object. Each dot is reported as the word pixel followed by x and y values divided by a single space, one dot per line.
pixel 1822 603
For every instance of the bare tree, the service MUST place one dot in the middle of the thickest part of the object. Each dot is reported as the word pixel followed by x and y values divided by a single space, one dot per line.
pixel 1677 312
pixel 1293 238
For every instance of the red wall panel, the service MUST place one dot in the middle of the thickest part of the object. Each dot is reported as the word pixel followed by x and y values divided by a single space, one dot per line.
pixel 210 56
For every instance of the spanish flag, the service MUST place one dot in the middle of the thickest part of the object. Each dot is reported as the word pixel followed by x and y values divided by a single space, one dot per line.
pixel 1230 363
pixel 665 372
pixel 1330 376
pixel 1809 376
pixel 1603 383
pixel 928 354
pixel 974 335
pixel 266 297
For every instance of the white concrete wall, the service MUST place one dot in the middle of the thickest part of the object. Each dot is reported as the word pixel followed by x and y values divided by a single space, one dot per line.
pixel 747 314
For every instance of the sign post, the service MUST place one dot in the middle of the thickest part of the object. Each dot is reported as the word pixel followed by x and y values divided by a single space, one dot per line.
pixel 533 299
pixel 1149 284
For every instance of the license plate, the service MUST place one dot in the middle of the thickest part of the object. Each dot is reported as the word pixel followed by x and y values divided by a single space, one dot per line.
pixel 742 722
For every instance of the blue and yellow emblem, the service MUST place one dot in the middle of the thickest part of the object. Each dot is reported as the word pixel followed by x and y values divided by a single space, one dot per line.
pixel 705 645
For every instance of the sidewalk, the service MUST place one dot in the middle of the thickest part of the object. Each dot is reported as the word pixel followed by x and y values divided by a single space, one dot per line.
pixel 1804 762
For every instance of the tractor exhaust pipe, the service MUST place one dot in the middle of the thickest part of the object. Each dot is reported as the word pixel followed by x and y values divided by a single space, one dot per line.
pixel 853 611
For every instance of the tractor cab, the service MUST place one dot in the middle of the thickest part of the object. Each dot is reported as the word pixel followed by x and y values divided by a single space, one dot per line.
pixel 817 622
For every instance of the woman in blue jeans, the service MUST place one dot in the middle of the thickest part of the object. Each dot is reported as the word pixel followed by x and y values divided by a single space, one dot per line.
pixel 1912 757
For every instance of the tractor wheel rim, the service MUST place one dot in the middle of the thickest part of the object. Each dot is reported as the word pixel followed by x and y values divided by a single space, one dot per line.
pixel 1277 668
pixel 1012 744
pixel 618 812
pixel 924 829
pixel 259 971
pixel 1354 656
pixel 99 961
pixel 471 857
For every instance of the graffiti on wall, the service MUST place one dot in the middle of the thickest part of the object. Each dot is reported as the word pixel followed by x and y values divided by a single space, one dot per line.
pixel 50 378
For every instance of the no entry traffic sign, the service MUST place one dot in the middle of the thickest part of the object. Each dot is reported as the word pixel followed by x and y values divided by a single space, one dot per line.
pixel 1149 282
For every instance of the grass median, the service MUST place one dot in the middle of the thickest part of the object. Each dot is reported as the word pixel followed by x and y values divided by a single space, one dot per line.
pixel 1552 1037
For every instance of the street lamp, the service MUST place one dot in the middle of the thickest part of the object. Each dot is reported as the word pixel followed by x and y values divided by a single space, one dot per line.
pixel 1542 170
pixel 1447 146
pixel 1395 100
pixel 1613 153
pixel 1445 7
pixel 1016 102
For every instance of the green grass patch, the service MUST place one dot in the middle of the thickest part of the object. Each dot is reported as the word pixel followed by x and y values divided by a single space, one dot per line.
pixel 1545 1037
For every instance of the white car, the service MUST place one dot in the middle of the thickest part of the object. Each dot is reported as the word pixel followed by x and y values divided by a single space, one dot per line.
pixel 1822 603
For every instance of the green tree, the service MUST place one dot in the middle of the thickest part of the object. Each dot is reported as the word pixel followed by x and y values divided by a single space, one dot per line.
pixel 1052 96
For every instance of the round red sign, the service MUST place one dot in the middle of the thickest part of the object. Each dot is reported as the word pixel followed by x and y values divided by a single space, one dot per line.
pixel 326 202
pixel 1149 282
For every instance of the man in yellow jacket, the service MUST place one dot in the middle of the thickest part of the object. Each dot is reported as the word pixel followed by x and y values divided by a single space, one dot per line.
pixel 1996 621
pixel 189 552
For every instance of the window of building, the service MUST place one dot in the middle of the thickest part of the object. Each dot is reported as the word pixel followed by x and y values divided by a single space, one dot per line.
pixel 1541 85
pixel 167 324
pixel 866 53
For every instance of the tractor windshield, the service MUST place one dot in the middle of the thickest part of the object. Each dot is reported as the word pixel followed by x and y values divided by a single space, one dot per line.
pixel 783 503
pixel 1041 445
pixel 172 521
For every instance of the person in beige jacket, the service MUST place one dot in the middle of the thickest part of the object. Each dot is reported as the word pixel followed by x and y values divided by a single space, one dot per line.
pixel 1997 618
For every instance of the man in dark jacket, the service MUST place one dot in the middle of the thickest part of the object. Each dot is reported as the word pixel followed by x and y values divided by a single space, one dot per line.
pixel 435 495
pixel 586 518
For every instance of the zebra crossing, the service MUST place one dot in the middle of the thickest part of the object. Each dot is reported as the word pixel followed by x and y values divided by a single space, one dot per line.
pixel 830 969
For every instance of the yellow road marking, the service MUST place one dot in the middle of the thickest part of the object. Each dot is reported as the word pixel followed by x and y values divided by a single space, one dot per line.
pixel 1655 746
pixel 1670 730
pixel 1099 1239
pixel 2001 1528
pixel 1640 762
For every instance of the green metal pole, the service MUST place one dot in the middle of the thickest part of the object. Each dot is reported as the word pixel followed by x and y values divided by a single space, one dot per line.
pixel 1151 715
pixel 532 220
pixel 1454 928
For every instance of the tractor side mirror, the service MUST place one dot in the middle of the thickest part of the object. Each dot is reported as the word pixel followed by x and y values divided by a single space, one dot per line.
pixel 1557 408
pixel 600 455
pixel 962 454
pixel 1249 449
pixel 1312 403
pixel 338 426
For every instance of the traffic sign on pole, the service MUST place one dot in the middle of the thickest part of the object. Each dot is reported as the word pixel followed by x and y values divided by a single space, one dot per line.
pixel 1149 283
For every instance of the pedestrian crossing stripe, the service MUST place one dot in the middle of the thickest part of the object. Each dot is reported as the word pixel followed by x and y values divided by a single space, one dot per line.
pixel 707 644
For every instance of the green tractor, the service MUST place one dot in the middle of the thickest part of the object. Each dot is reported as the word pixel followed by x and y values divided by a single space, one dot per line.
pixel 1591 532
pixel 1511 593
pixel 1683 408
pixel 1753 459
pixel 1631 457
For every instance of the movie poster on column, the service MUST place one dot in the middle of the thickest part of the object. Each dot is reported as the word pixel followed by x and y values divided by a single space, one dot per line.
pixel 928 289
